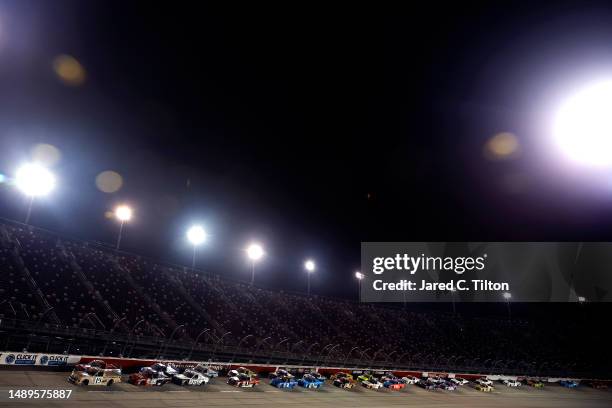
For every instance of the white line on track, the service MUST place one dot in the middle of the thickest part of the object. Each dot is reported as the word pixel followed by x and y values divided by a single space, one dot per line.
pixel 107 391
pixel 230 391
pixel 178 391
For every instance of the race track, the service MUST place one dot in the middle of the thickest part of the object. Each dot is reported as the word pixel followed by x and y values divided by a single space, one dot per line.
pixel 219 394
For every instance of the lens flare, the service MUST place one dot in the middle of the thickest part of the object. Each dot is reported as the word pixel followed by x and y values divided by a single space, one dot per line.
pixel 46 154
pixel 503 145
pixel 109 181
pixel 69 70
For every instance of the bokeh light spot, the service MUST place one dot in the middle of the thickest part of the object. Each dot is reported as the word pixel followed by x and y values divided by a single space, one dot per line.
pixel 69 70
pixel 109 181
pixel 503 145
pixel 46 154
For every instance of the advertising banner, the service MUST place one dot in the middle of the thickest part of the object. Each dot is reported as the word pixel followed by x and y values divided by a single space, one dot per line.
pixel 37 359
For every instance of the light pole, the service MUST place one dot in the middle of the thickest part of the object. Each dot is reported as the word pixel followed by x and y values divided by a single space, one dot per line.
pixel 310 267
pixel 508 296
pixel 359 277
pixel 255 252
pixel 34 181
pixel 197 236
pixel 123 213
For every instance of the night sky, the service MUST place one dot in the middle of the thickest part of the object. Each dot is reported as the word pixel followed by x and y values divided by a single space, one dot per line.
pixel 308 129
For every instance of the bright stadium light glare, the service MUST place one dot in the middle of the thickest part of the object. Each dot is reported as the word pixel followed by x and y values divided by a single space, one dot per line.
pixel 309 265
pixel 34 180
pixel 359 275
pixel 582 127
pixel 196 235
pixel 123 213
pixel 581 299
pixel 255 252
pixel 507 295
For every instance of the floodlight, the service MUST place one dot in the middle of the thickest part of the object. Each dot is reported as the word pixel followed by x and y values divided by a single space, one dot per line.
pixel 123 213
pixel 34 180
pixel 309 265
pixel 196 235
pixel 255 252
pixel 507 295
pixel 581 299
pixel 359 275
pixel 583 126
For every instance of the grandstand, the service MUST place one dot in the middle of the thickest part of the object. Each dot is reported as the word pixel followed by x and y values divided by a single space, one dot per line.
pixel 63 295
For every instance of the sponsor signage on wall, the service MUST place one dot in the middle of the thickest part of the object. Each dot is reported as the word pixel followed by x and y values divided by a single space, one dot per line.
pixel 38 359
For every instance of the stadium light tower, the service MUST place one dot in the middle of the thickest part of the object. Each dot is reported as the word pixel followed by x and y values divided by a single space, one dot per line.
pixel 34 180
pixel 255 252
pixel 123 214
pixel 359 277
pixel 310 267
pixel 197 236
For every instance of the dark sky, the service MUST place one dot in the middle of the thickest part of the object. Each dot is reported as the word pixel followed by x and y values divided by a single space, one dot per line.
pixel 309 129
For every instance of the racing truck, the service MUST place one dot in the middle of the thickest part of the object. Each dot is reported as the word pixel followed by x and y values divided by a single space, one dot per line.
pixel 164 368
pixel 409 379
pixel 369 381
pixel 95 376
pixel 343 380
pixel 341 374
pixel 206 370
pixel 598 385
pixel 428 385
pixel 568 383
pixel 287 381
pixel 281 372
pixel 393 383
pixel 535 383
pixel 511 383
pixel 242 380
pixel 484 381
pixel 447 385
pixel 311 381
pixel 459 381
pixel 93 363
pixel 435 379
pixel 241 370
pixel 191 377
pixel 149 376
pixel 481 386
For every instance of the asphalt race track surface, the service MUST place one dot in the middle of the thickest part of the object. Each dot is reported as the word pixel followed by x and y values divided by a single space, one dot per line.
pixel 219 394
